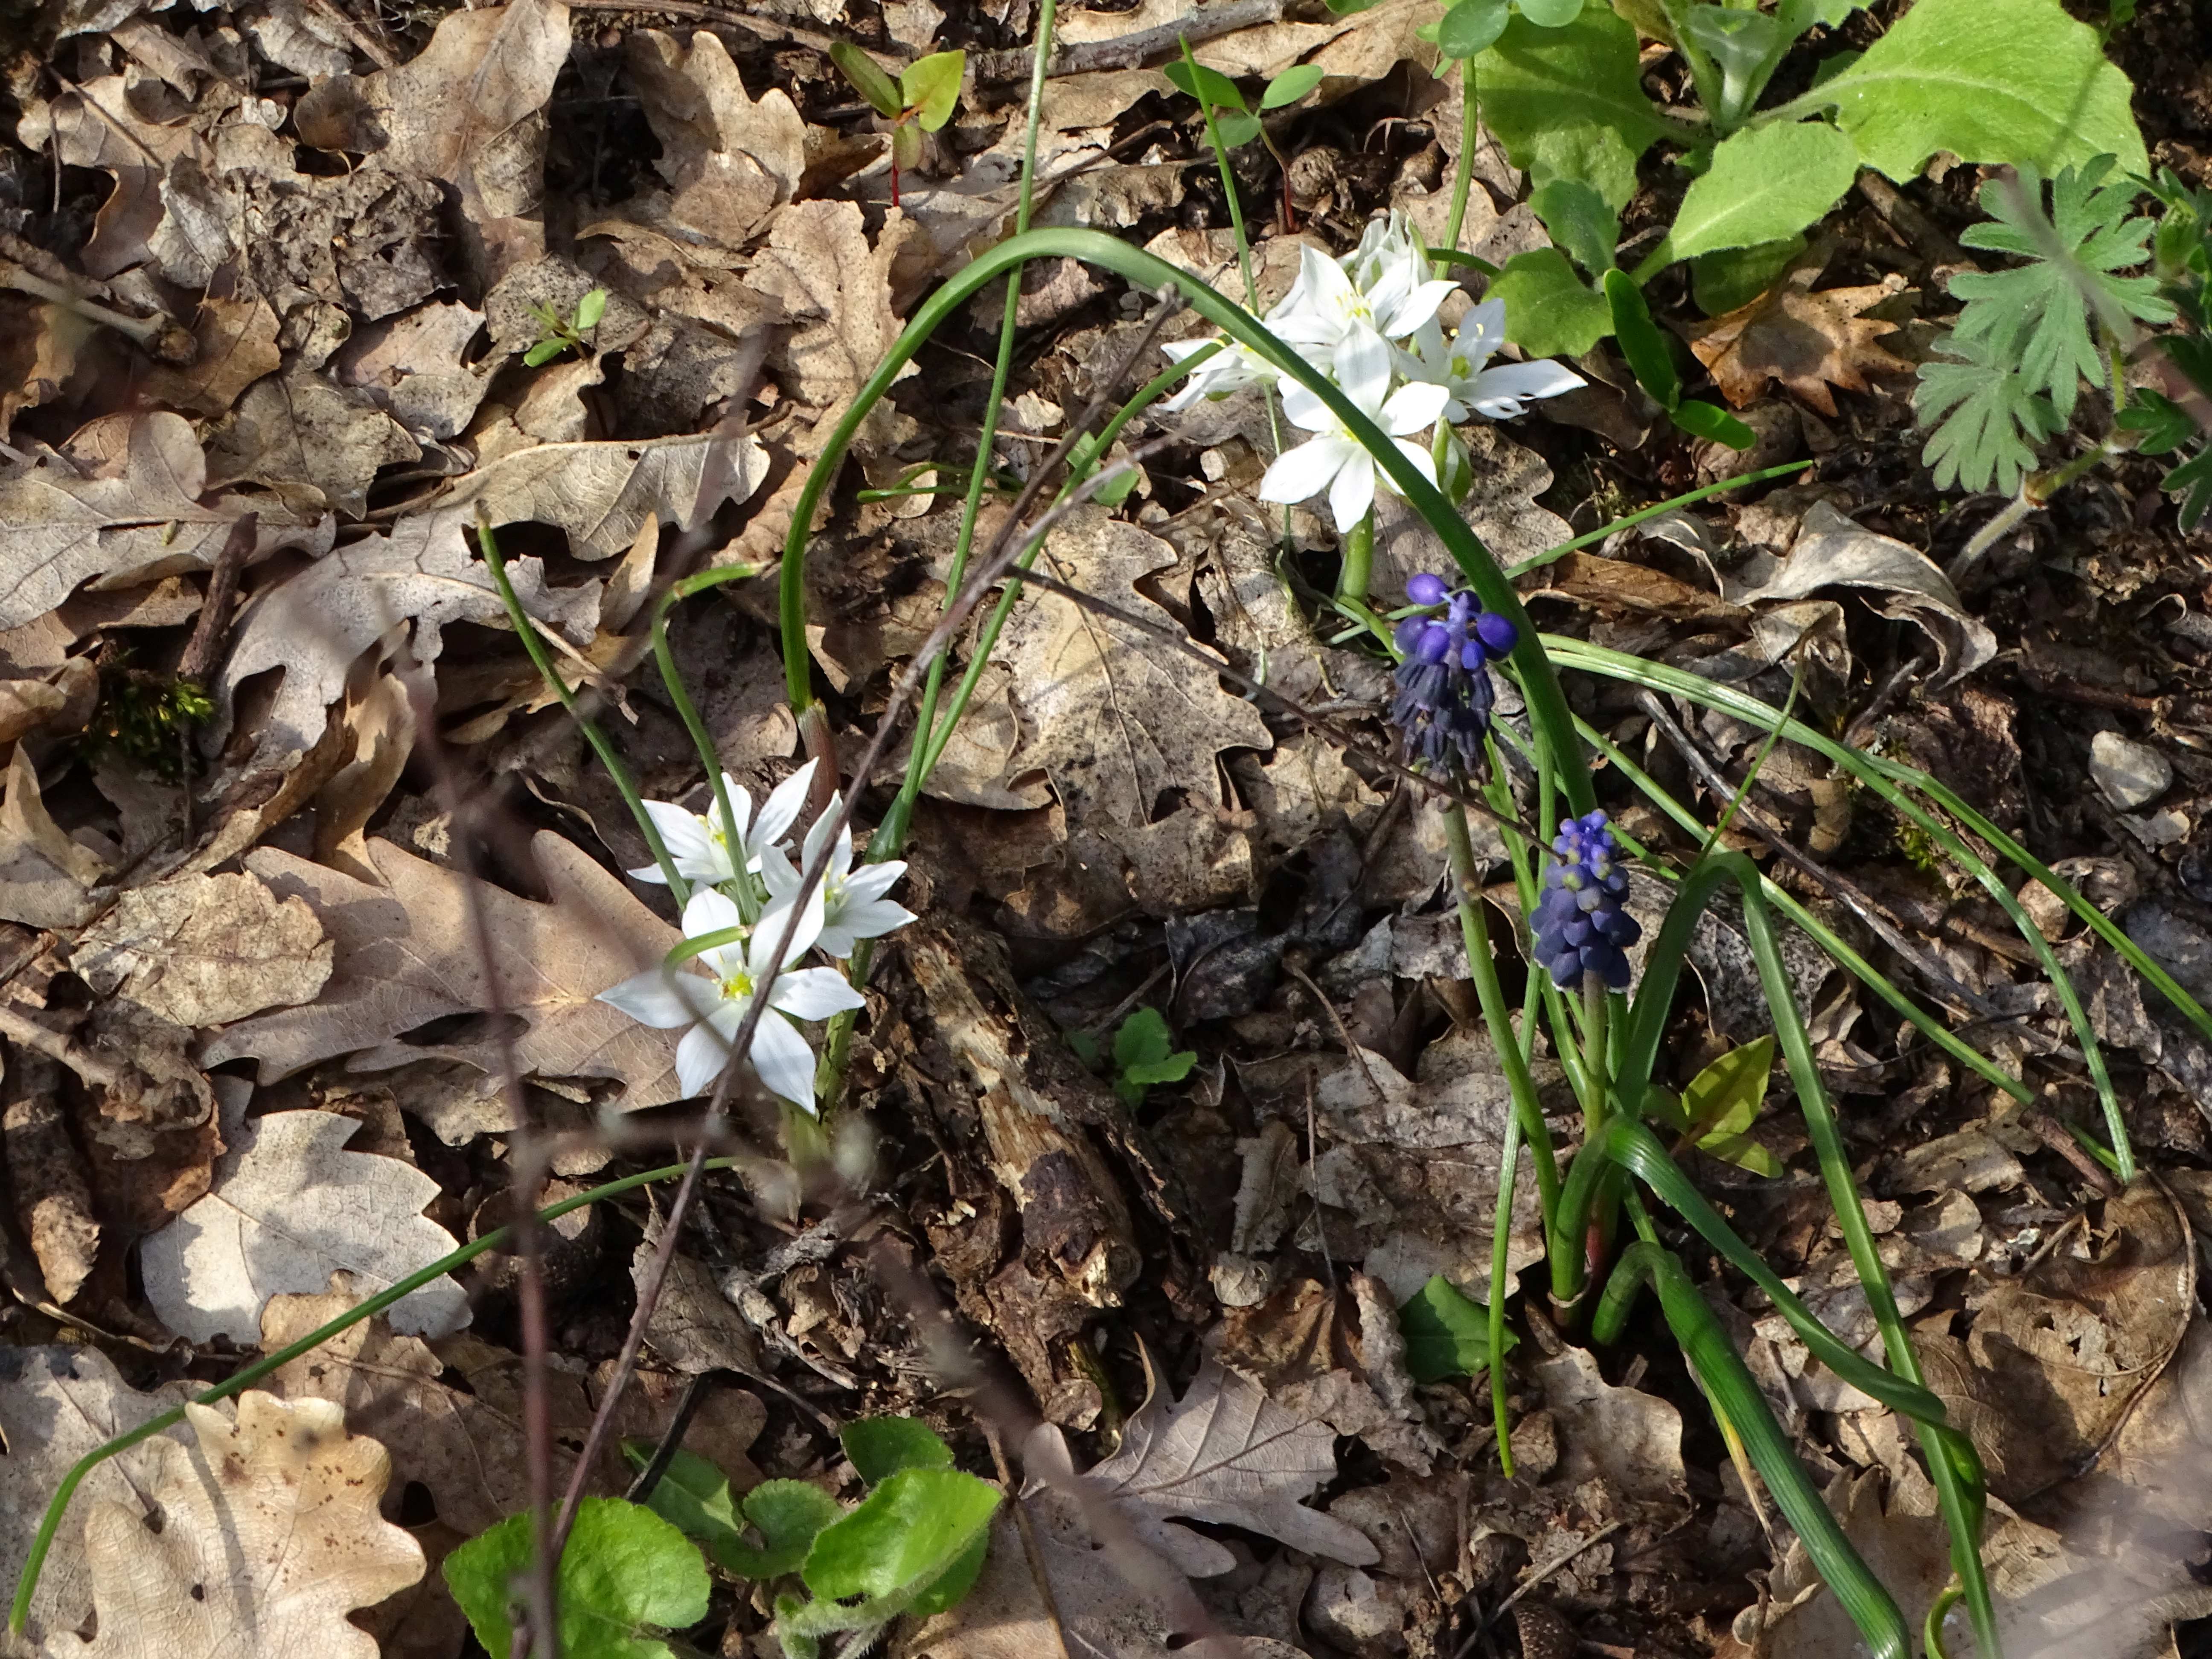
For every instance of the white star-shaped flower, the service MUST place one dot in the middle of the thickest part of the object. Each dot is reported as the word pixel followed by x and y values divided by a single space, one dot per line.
pixel 702 852
pixel 853 905
pixel 1458 365
pixel 1334 459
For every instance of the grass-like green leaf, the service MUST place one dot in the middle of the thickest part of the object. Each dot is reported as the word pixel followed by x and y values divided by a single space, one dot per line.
pixel 1569 103
pixel 1709 421
pixel 1988 417
pixel 930 86
pixel 1992 80
pixel 625 1577
pixel 1764 183
pixel 1649 357
pixel 1446 1332
pixel 1549 311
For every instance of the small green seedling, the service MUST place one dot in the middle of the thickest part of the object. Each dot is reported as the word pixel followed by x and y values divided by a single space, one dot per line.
pixel 921 101
pixel 557 334
pixel 1468 27
pixel 626 1576
pixel 1234 122
pixel 1715 1112
pixel 913 1544
pixel 1447 1333
pixel 1143 1055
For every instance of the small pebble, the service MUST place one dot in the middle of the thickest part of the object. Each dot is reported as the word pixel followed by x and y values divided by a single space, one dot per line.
pixel 2129 773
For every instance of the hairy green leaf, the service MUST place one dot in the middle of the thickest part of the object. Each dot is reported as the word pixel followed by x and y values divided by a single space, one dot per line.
pixel 879 1447
pixel 1568 103
pixel 1990 417
pixel 1446 1332
pixel 904 1535
pixel 931 86
pixel 1765 185
pixel 1580 221
pixel 691 1494
pixel 1549 311
pixel 2038 315
pixel 625 1577
pixel 789 1515
pixel 870 81
pixel 1993 80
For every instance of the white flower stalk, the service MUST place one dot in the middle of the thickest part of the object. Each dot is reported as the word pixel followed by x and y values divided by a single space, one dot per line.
pixel 713 1003
pixel 1334 459
pixel 1459 366
pixel 853 905
pixel 702 849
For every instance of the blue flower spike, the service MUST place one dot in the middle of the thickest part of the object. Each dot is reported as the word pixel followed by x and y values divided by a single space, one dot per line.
pixel 1444 694
pixel 1582 926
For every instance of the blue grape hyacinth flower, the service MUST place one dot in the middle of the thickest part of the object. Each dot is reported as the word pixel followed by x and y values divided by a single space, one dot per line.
pixel 1444 694
pixel 1582 926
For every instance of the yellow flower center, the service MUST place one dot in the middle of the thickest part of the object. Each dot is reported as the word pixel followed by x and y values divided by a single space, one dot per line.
pixel 1461 369
pixel 738 986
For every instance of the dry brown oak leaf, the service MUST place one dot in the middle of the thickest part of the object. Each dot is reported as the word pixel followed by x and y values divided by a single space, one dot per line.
pixel 206 949
pixel 270 1537
pixel 406 955
pixel 1225 1453
pixel 1808 340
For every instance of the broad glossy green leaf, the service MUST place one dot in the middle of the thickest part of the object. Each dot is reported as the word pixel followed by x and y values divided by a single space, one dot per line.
pixel 869 81
pixel 1580 221
pixel 931 86
pixel 1704 419
pixel 789 1514
pixel 1208 86
pixel 1764 183
pixel 905 1534
pixel 879 1447
pixel 1549 311
pixel 1551 14
pixel 1292 84
pixel 625 1577
pixel 1648 356
pixel 1569 103
pixel 1991 80
pixel 1446 1332
pixel 1472 26
pixel 691 1494
pixel 1724 1100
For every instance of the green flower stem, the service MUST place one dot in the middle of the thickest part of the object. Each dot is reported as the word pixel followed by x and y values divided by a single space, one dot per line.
pixel 1358 567
pixel 1550 717
pixel 50 1523
pixel 542 660
pixel 1237 229
pixel 725 821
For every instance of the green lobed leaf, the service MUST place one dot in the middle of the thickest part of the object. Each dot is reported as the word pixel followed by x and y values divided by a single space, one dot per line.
pixel 1209 87
pixel 2165 424
pixel 2191 484
pixel 1991 80
pixel 2038 315
pixel 789 1514
pixel 1446 1332
pixel 1292 84
pixel 1549 311
pixel 905 1535
pixel 1569 103
pixel 691 1494
pixel 1649 358
pixel 931 86
pixel 625 1577
pixel 868 80
pixel 1472 25
pixel 1987 417
pixel 1579 221
pixel 1765 185
pixel 879 1447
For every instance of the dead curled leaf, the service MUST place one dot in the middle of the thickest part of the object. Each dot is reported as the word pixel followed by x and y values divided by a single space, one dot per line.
pixel 206 949
pixel 405 955
pixel 270 1537
pixel 731 160
pixel 1810 341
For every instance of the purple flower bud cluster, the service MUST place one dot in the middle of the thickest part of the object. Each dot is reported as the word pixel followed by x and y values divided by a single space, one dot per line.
pixel 1444 695
pixel 1581 926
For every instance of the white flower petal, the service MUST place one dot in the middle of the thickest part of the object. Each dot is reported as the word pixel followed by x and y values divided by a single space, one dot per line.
pixel 658 998
pixel 1353 491
pixel 1413 407
pixel 782 1060
pixel 1300 474
pixel 1417 308
pixel 691 848
pixel 1483 328
pixel 815 993
pixel 1419 456
pixel 709 912
pixel 781 809
pixel 1307 410
pixel 781 874
pixel 871 919
pixel 1362 368
pixel 699 1059
pixel 872 881
pixel 769 928
pixel 1498 392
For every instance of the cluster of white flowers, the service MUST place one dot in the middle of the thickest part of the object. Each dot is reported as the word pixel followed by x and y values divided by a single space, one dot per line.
pixel 1369 322
pixel 746 889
